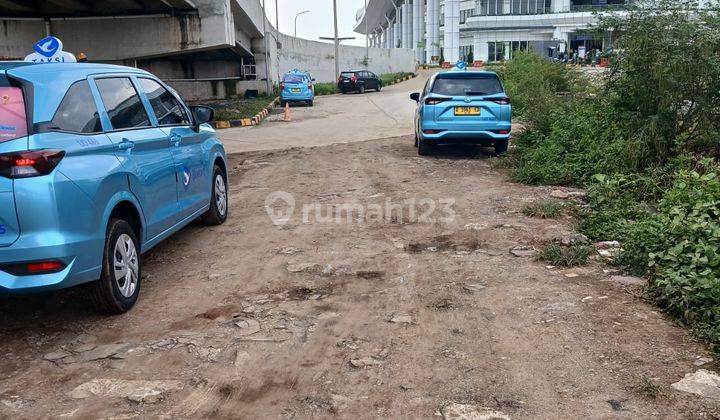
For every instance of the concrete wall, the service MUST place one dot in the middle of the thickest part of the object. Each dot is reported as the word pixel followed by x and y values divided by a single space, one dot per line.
pixel 319 58
pixel 199 90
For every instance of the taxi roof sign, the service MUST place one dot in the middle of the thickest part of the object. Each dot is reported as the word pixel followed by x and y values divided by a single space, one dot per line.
pixel 49 50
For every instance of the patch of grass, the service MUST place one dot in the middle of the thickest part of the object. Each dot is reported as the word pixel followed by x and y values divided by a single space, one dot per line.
pixel 322 89
pixel 237 109
pixel 565 256
pixel 649 389
pixel 544 209
pixel 390 78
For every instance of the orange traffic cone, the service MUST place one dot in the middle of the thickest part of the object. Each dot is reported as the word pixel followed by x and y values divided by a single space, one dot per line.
pixel 286 116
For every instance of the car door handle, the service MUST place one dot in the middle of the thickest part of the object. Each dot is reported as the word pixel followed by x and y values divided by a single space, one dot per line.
pixel 175 140
pixel 125 144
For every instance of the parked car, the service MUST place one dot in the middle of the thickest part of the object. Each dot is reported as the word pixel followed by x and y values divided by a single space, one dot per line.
pixel 358 81
pixel 297 86
pixel 98 164
pixel 462 106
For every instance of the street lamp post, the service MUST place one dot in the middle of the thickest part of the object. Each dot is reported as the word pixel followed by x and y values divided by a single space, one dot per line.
pixel 296 18
pixel 337 41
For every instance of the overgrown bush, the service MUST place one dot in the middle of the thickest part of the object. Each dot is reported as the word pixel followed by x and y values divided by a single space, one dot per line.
pixel 538 87
pixel 634 141
pixel 583 139
pixel 666 78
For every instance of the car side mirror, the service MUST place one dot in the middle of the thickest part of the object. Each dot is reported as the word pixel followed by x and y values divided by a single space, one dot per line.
pixel 415 96
pixel 202 114
pixel 312 80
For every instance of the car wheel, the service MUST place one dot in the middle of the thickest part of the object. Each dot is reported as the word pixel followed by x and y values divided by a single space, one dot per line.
pixel 119 285
pixel 218 211
pixel 361 89
pixel 416 141
pixel 310 103
pixel 282 104
pixel 379 87
pixel 424 147
pixel 501 146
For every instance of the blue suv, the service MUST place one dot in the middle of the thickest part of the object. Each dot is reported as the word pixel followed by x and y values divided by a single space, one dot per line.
pixel 462 106
pixel 98 164
pixel 297 86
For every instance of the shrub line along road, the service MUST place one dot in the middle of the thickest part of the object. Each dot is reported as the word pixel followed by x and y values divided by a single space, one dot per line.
pixel 396 318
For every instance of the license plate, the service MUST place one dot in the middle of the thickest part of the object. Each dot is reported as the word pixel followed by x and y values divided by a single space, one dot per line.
pixel 346 81
pixel 295 90
pixel 467 110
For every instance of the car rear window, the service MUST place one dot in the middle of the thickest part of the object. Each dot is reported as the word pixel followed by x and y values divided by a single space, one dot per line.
pixel 13 120
pixel 347 74
pixel 294 79
pixel 462 86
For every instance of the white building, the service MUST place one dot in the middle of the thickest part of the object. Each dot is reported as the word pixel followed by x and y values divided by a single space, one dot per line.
pixel 484 30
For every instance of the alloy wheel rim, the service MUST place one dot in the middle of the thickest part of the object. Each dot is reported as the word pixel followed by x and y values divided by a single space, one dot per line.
pixel 220 195
pixel 125 265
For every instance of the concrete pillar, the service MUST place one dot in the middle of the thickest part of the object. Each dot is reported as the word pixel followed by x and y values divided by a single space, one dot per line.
pixel 451 43
pixel 407 25
pixel 507 51
pixel 419 30
pixel 432 35
pixel 559 6
pixel 480 48
pixel 397 33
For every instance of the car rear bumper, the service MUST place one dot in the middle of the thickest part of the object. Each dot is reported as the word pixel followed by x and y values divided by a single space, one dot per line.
pixel 55 248
pixel 486 136
pixel 291 97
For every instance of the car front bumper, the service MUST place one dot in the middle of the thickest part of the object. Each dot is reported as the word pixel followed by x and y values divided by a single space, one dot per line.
pixel 293 97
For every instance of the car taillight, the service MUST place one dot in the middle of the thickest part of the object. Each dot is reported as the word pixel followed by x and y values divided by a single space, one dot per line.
pixel 435 101
pixel 340 79
pixel 282 85
pixel 500 101
pixel 30 163
pixel 354 78
pixel 44 267
pixel 309 85
pixel 34 268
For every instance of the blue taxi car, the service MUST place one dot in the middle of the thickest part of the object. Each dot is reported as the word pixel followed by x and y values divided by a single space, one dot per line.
pixel 297 86
pixel 98 164
pixel 462 106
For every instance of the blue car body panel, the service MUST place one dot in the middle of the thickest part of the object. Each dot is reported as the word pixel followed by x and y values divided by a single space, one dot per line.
pixel 438 122
pixel 166 176
pixel 297 87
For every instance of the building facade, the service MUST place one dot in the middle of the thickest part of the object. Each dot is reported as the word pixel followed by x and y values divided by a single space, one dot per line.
pixel 485 30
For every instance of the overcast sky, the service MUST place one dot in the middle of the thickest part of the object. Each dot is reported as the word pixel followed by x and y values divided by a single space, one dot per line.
pixel 319 22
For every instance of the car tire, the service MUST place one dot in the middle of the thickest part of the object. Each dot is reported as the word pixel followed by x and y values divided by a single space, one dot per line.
pixel 310 103
pixel 379 88
pixel 219 209
pixel 416 141
pixel 113 294
pixel 361 89
pixel 282 104
pixel 501 147
pixel 424 147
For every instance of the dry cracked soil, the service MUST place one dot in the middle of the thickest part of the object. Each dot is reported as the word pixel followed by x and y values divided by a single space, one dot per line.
pixel 374 315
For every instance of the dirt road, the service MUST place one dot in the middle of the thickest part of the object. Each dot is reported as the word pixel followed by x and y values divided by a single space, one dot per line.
pixel 379 315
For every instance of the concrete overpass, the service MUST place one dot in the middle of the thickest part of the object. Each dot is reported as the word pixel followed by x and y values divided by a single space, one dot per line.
pixel 205 48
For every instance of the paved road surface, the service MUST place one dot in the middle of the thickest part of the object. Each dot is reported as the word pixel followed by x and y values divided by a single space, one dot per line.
pixel 333 119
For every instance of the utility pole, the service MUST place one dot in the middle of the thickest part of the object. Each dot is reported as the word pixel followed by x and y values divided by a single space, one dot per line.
pixel 337 41
pixel 277 39
pixel 267 52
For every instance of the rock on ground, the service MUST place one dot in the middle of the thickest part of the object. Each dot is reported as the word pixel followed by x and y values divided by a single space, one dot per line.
pixel 457 411
pixel 134 390
pixel 703 382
